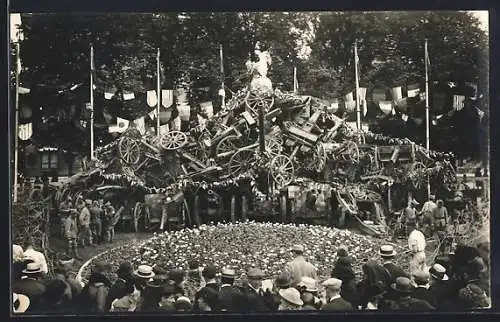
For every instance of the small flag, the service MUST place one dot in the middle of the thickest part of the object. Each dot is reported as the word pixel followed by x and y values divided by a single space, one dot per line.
pixel 350 106
pixel 25 131
pixel 422 96
pixel 404 117
pixel 24 90
pixel 140 125
pixel 151 98
pixel 127 96
pixel 362 93
pixel 413 90
pixel 108 95
pixel 207 109
pixel 167 97
pixel 153 114
pixel 458 102
pixel 120 127
pixel 386 107
pixel 92 65
pixel 397 93
pixel 349 97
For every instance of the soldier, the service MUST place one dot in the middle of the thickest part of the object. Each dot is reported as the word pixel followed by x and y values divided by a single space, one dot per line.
pixel 109 214
pixel 440 221
pixel 64 213
pixel 96 221
pixel 71 233
pixel 84 221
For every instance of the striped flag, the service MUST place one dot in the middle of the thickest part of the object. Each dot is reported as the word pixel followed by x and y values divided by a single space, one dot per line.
pixel 25 131
pixel 167 97
pixel 140 125
pixel 151 98
pixel 127 96
pixel 458 102
pixel 349 97
pixel 386 107
pixel 362 93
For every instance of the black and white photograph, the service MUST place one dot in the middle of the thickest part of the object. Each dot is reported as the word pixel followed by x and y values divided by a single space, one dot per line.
pixel 249 162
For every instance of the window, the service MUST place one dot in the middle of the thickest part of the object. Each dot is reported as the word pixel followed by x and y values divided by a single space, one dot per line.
pixel 49 160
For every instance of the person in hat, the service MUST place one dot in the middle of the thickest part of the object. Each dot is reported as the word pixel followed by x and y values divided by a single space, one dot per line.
pixel 373 274
pixel 20 303
pixel 84 223
pixel 427 210
pixel 374 297
pixel 440 220
pixel 71 233
pixel 290 299
pixel 206 300
pixel 309 302
pixel 473 297
pixel 193 278
pixel 253 296
pixel 128 302
pixel 439 285
pixel 178 278
pixel 388 253
pixel 96 214
pixel 60 275
pixel 17 253
pixel 19 262
pixel 152 293
pixel 421 281
pixel 30 252
pixel 334 301
pixel 142 274
pixel 183 304
pixel 402 289
pixel 31 285
pixel 125 274
pixel 64 210
pixel 107 221
pixel 209 281
pixel 309 286
pixel 94 294
pixel 230 297
pixel 299 267
pixel 410 217
pixel 343 270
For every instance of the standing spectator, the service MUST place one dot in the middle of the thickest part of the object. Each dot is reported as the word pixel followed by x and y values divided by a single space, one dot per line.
pixel 206 300
pixel 440 220
pixel 94 294
pixel 167 302
pixel 252 292
pixel 439 286
pixel 388 253
pixel 308 286
pixel 421 280
pixel 416 242
pixel 152 294
pixel 299 267
pixel 230 297
pixel 177 277
pixel 373 274
pixel 426 215
pixel 283 281
pixel 290 300
pixel 309 302
pixel 410 217
pixel 64 212
pixel 30 285
pixel 84 222
pixel 121 285
pixel 473 297
pixel 20 303
pixel 343 270
pixel 96 214
pixel 334 302
pixel 38 257
pixel 141 276
pixel 403 289
pixel 112 220
pixel 60 275
pixel 72 235
pixel 127 302
pixel 109 214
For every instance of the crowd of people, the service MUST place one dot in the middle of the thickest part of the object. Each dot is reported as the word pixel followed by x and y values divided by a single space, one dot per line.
pixel 87 222
pixel 457 281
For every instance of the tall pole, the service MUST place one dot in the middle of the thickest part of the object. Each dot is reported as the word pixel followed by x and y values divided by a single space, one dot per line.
pixel 158 93
pixel 222 75
pixel 295 80
pixel 16 124
pixel 91 102
pixel 427 135
pixel 358 109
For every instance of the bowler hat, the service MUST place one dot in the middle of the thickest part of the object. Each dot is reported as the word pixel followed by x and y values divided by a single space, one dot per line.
pixel 144 271
pixel 438 272
pixel 402 285
pixel 291 295
pixel 209 271
pixel 387 251
pixel 125 269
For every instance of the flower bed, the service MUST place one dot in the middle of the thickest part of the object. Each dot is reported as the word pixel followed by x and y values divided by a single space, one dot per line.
pixel 248 244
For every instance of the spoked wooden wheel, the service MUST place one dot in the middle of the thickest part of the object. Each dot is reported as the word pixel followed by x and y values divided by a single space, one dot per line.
pixel 417 174
pixel 130 150
pixel 350 151
pixel 227 146
pixel 274 146
pixel 255 100
pixel 138 212
pixel 173 140
pixel 282 170
pixel 241 161
pixel 318 160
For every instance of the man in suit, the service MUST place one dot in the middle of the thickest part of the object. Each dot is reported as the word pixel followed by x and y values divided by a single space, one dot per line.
pixel 120 286
pixel 402 289
pixel 252 292
pixel 209 275
pixel 388 253
pixel 334 302
pixel 230 297
pixel 421 291
pixel 31 286
pixel 299 267
pixel 439 286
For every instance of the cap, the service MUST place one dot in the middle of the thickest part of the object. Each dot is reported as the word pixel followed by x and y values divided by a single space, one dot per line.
pixel 255 273
pixel 309 284
pixel 228 273
pixel 332 283
pixel 298 248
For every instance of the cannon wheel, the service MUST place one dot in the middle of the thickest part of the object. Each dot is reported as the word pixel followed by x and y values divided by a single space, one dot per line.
pixel 130 150
pixel 318 161
pixel 173 140
pixel 138 212
pixel 282 170
pixel 415 174
pixel 254 101
pixel 273 146
pixel 241 161
pixel 227 144
pixel 351 151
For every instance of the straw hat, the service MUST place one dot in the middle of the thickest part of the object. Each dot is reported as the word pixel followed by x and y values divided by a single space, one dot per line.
pixel 438 272
pixel 291 295
pixel 387 251
pixel 144 271
pixel 298 248
pixel 20 303
pixel 421 277
pixel 33 268
pixel 228 273
pixel 309 284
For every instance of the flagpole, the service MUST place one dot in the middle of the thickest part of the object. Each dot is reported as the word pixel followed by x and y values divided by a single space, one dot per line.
pixel 158 93
pixel 222 74
pixel 427 132
pixel 16 124
pixel 358 110
pixel 92 102
pixel 294 79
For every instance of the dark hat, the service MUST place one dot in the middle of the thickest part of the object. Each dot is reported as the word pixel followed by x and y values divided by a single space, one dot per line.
pixel 402 285
pixel 157 282
pixel 168 290
pixel 176 275
pixel 125 269
pixel 376 289
pixel 342 251
pixel 193 264
pixel 100 267
pixel 283 280
pixel 255 273
pixel 209 271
